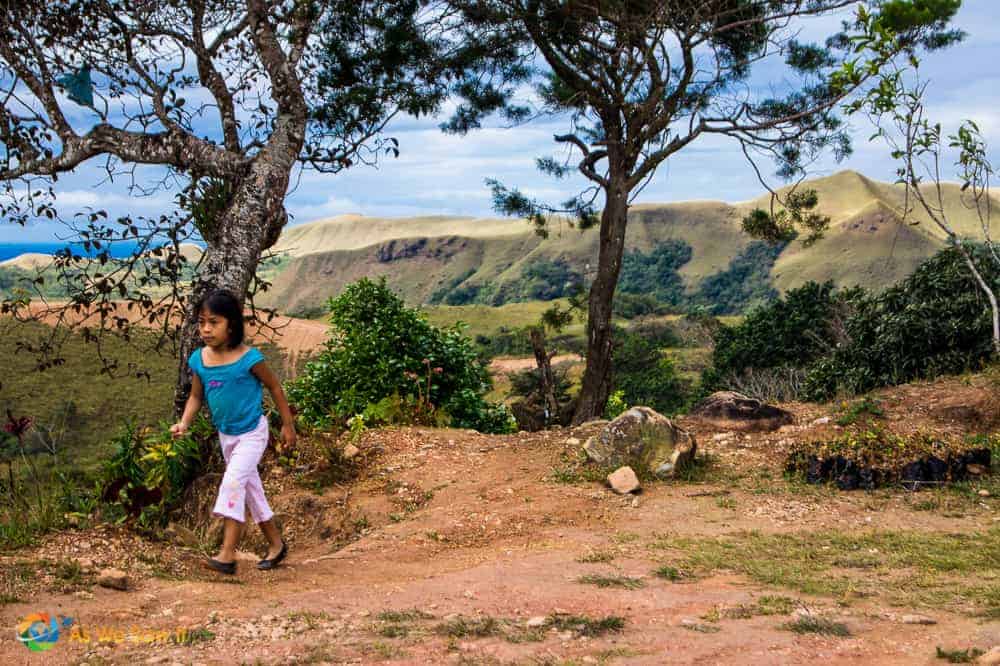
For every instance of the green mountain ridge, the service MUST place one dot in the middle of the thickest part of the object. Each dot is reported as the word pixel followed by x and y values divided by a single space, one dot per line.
pixel 485 260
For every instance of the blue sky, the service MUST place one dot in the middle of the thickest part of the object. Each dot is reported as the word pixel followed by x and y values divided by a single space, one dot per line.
pixel 441 174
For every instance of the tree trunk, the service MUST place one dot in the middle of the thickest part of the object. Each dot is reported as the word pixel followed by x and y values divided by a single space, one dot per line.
pixel 251 224
pixel 548 382
pixel 597 376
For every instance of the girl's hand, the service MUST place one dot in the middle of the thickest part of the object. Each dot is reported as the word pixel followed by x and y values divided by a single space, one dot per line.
pixel 178 429
pixel 287 436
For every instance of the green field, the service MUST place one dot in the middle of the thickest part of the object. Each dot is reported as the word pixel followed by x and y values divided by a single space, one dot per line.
pixel 81 407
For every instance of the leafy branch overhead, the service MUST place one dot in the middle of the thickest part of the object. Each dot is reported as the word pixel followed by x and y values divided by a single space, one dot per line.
pixel 228 100
pixel 637 82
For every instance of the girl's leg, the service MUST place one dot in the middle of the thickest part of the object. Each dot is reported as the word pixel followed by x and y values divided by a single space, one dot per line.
pixel 241 487
pixel 231 528
pixel 270 531
pixel 230 537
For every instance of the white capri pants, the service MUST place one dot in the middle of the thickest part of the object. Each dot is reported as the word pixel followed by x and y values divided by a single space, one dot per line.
pixel 241 486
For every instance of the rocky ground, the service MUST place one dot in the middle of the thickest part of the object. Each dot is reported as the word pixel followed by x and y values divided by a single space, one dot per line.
pixel 450 546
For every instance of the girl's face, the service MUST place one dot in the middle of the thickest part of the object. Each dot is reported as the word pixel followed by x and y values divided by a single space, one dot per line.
pixel 213 328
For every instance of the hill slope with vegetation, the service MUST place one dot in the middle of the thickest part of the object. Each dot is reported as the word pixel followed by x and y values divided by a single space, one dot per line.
pixel 462 260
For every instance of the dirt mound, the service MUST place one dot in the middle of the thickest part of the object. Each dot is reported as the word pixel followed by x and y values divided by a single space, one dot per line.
pixel 453 546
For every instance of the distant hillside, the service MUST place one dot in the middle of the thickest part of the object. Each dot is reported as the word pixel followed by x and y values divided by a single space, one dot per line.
pixel 492 261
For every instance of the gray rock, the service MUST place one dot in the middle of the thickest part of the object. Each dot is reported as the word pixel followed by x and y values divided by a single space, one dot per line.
pixel 113 578
pixel 642 437
pixel 182 535
pixel 623 480
pixel 535 622
pixel 735 410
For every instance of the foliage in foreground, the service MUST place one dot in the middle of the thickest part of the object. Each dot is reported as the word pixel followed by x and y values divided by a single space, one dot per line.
pixel 936 321
pixel 385 361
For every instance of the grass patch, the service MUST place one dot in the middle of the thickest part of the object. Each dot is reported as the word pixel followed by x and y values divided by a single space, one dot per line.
pixel 966 656
pixel 394 630
pixel 572 474
pixel 673 574
pixel 193 636
pixel 621 582
pixel 310 618
pixel 596 557
pixel 959 571
pixel 701 628
pixel 411 615
pixel 475 627
pixel 382 650
pixel 581 625
pixel 725 503
pixel 15 581
pixel 812 624
pixel 704 468
pixel 515 631
pixel 774 605
pixel 858 410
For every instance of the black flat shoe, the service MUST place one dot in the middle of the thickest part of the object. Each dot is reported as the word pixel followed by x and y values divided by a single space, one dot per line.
pixel 222 567
pixel 273 562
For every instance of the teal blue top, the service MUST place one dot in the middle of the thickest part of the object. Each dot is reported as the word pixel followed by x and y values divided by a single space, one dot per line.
pixel 233 393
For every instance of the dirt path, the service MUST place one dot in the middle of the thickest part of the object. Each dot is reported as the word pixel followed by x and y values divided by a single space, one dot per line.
pixel 471 542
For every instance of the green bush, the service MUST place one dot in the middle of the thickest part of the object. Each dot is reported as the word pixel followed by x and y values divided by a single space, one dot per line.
pixel 147 475
pixel 937 321
pixel 744 283
pixel 541 280
pixel 505 342
pixel 379 348
pixel 630 306
pixel 789 332
pixel 644 376
pixel 655 273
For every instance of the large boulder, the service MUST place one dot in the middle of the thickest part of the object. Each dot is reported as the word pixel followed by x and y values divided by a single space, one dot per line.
pixel 735 411
pixel 643 439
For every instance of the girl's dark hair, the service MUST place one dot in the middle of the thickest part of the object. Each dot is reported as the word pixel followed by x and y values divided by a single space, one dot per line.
pixel 224 304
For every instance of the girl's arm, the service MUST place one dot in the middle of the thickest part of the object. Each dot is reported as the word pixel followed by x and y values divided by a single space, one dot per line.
pixel 191 408
pixel 268 379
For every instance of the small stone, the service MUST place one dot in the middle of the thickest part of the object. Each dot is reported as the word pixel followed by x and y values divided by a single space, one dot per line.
pixel 720 436
pixel 635 502
pixel 113 578
pixel 182 535
pixel 984 493
pixel 572 441
pixel 975 470
pixel 823 420
pixel 623 481
pixel 535 622
pixel 83 595
pixel 350 451
pixel 917 619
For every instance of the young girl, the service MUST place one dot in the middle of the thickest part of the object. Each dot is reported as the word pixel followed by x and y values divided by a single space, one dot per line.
pixel 230 374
